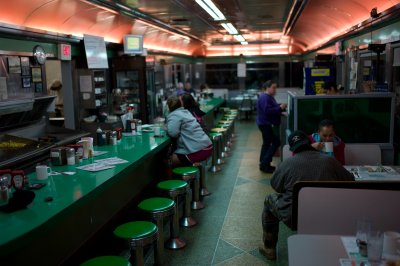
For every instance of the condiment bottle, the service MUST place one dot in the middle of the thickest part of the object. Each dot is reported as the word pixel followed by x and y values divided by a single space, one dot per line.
pixel 4 190
pixel 99 135
pixel 70 156
pixel 139 127
pixel 113 139
pixel 6 173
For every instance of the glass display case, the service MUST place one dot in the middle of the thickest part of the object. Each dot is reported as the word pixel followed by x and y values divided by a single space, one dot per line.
pixel 129 87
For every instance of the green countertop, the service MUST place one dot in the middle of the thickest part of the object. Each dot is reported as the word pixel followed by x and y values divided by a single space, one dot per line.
pixel 209 105
pixel 69 191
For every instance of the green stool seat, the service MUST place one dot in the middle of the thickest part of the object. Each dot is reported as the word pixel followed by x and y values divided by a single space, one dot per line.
pixel 156 204
pixel 107 261
pixel 212 134
pixel 137 229
pixel 172 184
pixel 189 170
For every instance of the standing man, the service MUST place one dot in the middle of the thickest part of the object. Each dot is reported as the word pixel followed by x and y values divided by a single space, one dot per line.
pixel 268 121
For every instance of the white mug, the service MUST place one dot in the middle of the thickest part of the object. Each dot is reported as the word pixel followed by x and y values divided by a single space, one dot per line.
pixel 42 172
pixel 157 131
pixel 328 146
pixel 391 243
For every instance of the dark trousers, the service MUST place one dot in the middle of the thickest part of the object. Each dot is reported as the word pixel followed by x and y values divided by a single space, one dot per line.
pixel 270 222
pixel 270 144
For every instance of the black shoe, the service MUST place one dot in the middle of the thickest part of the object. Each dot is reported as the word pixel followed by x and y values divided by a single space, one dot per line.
pixel 269 169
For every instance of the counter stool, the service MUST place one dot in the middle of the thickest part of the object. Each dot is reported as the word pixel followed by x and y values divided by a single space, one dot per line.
pixel 228 142
pixel 138 234
pixel 216 161
pixel 191 175
pixel 223 131
pixel 203 177
pixel 107 261
pixel 159 209
pixel 176 188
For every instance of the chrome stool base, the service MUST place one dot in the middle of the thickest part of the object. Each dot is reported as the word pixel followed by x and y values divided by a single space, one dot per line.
pixel 214 169
pixel 204 192
pixel 197 205
pixel 188 222
pixel 175 243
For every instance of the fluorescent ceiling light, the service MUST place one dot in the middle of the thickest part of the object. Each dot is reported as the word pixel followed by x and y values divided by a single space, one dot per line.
pixel 239 38
pixel 244 43
pixel 211 9
pixel 230 28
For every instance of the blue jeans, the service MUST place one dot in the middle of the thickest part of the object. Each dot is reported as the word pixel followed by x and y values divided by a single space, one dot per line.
pixel 270 144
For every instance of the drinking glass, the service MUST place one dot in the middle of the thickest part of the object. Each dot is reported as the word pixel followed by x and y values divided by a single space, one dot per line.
pixel 363 228
pixel 375 245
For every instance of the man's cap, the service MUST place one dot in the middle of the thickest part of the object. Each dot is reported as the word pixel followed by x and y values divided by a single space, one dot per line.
pixel 298 139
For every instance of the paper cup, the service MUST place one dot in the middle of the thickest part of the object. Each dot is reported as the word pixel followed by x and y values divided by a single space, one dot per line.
pixel 329 147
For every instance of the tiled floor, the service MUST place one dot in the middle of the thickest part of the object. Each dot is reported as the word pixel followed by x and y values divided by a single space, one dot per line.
pixel 229 228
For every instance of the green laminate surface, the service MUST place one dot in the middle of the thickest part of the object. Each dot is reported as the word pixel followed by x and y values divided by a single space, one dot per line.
pixel 210 105
pixel 156 204
pixel 172 184
pixel 69 193
pixel 133 230
pixel 107 261
pixel 189 170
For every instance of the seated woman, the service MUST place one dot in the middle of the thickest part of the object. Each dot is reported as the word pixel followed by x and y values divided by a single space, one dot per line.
pixel 190 104
pixel 326 133
pixel 192 144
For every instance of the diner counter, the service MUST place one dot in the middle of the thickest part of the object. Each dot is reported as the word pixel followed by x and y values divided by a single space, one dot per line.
pixel 84 202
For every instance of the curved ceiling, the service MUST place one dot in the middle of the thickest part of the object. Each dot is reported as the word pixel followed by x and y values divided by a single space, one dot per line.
pixel 322 20
pixel 78 17
pixel 261 22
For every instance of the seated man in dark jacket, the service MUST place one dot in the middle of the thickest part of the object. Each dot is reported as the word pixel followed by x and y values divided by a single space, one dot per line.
pixel 306 165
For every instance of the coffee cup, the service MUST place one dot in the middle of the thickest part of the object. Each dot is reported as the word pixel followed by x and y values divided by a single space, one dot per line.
pixel 328 147
pixel 391 243
pixel 42 172
pixel 157 131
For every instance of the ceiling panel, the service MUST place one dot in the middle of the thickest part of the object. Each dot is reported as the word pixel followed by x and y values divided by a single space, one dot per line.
pixel 322 20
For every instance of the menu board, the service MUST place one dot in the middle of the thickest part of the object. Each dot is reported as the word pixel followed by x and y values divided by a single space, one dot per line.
pixel 96 53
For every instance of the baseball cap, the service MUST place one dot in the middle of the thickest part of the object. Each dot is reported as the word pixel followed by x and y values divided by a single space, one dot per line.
pixel 298 139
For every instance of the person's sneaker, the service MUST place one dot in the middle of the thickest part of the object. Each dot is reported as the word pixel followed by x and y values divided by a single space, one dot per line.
pixel 269 253
pixel 269 169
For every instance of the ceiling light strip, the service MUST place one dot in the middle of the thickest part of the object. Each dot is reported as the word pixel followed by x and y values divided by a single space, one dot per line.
pixel 211 9
pixel 229 28
pixel 215 9
pixel 239 38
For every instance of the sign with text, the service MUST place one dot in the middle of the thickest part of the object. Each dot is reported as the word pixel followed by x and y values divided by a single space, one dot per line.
pixel 64 52
pixel 96 53
pixel 320 72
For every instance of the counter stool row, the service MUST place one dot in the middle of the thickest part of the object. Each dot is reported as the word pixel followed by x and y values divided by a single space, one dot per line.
pixel 189 185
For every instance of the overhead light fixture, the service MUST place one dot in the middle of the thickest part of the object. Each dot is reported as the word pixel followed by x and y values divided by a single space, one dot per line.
pixel 239 38
pixel 211 9
pixel 244 43
pixel 230 28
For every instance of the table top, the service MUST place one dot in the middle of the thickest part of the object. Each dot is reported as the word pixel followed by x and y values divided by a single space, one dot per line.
pixel 315 250
pixel 368 173
pixel 69 191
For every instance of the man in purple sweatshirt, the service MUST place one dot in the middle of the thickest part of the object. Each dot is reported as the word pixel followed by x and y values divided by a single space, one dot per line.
pixel 268 121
